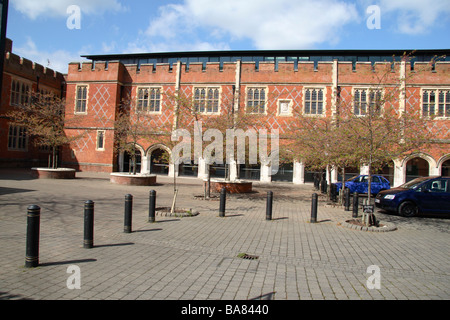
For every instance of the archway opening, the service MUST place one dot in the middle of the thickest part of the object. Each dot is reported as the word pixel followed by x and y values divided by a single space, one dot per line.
pixel 159 162
pixel 350 172
pixel 128 165
pixel 249 171
pixel 415 168
pixel 285 173
pixel 446 168
pixel 387 171
pixel 188 169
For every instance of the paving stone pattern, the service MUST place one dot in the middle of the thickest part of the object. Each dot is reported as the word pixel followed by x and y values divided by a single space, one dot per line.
pixel 196 258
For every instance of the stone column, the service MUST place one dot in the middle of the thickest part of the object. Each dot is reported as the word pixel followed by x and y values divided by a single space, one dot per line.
pixel 265 173
pixel 145 164
pixel 299 173
pixel 399 173
pixel 202 169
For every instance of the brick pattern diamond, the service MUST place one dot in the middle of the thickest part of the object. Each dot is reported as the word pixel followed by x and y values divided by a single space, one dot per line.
pixel 100 100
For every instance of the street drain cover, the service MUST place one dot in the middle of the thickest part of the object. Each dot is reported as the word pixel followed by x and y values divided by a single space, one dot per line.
pixel 247 256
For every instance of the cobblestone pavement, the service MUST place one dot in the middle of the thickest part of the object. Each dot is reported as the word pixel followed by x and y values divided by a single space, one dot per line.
pixel 196 258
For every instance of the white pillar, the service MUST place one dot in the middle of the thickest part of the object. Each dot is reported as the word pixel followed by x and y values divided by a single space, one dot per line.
pixel 334 175
pixel 265 173
pixel 172 171
pixel 434 171
pixel 233 170
pixel 299 173
pixel 145 164
pixel 399 173
pixel 364 170
pixel 202 169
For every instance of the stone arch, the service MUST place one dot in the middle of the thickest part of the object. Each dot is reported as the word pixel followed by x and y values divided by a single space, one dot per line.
pixel 444 170
pixel 418 169
pixel 425 156
pixel 157 146
pixel 155 161
pixel 124 159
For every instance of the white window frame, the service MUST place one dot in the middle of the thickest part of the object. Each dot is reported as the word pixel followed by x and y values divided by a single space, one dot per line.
pixel 148 100
pixel 17 138
pixel 86 99
pixel 206 99
pixel 367 91
pixel 264 103
pixel 436 104
pixel 102 134
pixel 324 101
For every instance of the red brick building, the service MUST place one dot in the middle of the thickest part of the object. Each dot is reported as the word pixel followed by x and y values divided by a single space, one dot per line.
pixel 277 82
pixel 21 77
pixel 281 80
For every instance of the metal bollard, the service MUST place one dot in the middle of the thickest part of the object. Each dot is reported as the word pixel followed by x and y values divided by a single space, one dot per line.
pixel 355 205
pixel 88 224
pixel 33 226
pixel 152 206
pixel 347 199
pixel 269 205
pixel 223 197
pixel 314 208
pixel 128 213
pixel 323 186
pixel 333 192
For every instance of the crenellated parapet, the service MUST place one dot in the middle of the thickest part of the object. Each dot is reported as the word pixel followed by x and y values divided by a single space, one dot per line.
pixel 32 71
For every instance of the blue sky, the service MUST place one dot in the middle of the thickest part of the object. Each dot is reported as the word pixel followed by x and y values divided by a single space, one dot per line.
pixel 40 32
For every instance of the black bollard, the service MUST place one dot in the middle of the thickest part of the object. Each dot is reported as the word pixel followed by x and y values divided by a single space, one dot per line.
pixel 355 205
pixel 88 224
pixel 316 182
pixel 152 206
pixel 314 208
pixel 323 186
pixel 33 225
pixel 269 205
pixel 347 199
pixel 223 197
pixel 128 213
pixel 333 192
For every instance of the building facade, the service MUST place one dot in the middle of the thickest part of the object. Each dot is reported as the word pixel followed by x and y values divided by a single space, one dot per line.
pixel 273 85
pixel 21 77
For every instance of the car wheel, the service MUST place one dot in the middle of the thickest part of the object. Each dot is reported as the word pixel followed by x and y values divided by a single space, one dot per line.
pixel 407 209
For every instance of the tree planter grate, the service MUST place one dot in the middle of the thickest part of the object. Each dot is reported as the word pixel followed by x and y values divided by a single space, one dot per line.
pixel 247 256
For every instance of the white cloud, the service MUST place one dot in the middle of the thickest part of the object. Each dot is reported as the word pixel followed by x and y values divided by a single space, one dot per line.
pixel 268 24
pixel 415 16
pixel 57 60
pixel 58 8
pixel 108 48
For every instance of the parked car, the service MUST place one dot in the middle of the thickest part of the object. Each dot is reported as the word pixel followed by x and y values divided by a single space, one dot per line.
pixel 421 195
pixel 360 184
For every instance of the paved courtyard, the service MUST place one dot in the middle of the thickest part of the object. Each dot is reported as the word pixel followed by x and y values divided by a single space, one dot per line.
pixel 197 258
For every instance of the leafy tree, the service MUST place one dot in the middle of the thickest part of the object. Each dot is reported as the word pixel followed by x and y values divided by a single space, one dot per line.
pixel 43 116
pixel 369 127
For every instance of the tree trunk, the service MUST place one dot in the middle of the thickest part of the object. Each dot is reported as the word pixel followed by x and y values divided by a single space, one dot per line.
pixel 328 173
pixel 133 161
pixel 175 190
pixel 207 194
pixel 54 164
pixel 341 193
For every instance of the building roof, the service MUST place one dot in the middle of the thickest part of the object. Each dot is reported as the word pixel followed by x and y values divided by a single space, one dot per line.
pixel 273 56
